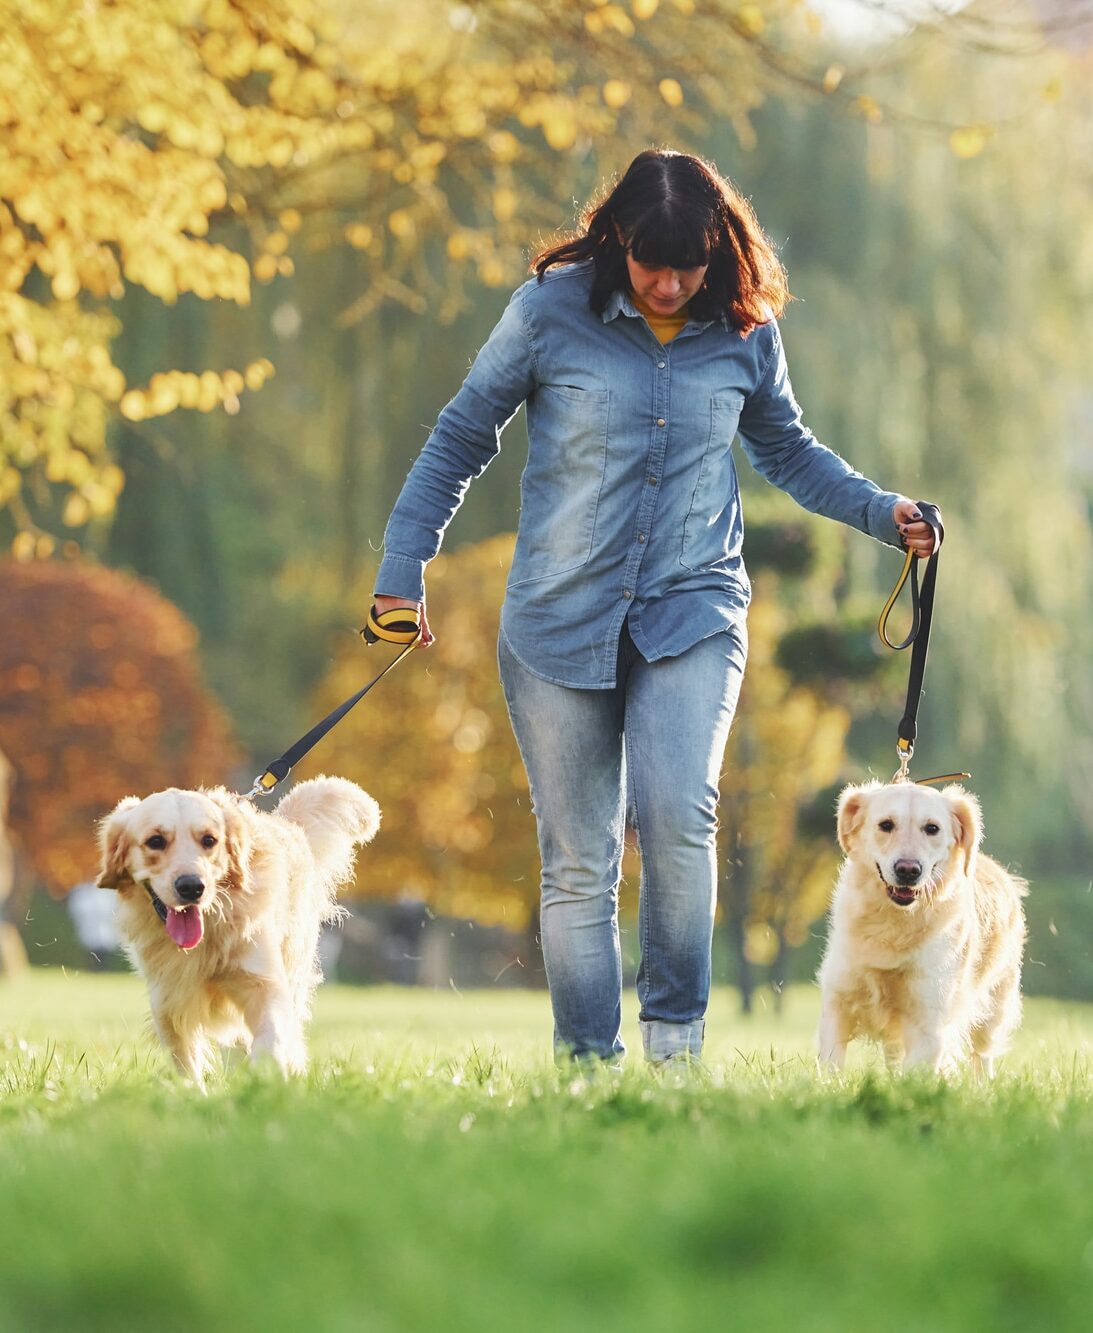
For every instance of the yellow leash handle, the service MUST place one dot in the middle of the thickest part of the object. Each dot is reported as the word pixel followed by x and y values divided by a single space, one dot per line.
pixel 882 623
pixel 402 625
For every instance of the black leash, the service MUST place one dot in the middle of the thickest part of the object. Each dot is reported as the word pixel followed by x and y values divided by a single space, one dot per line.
pixel 402 626
pixel 922 614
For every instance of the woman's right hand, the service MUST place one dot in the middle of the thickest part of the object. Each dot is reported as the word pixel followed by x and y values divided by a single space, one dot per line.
pixel 397 603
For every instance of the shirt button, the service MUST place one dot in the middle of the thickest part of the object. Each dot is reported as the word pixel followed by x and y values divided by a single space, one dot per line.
pixel 652 481
pixel 641 536
pixel 660 421
pixel 661 365
pixel 627 593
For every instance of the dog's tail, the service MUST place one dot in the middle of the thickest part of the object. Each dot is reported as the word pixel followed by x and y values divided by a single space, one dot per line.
pixel 336 816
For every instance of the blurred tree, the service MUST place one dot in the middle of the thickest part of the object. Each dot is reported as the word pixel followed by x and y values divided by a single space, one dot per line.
pixel 942 342
pixel 13 956
pixel 100 698
pixel 785 754
pixel 436 750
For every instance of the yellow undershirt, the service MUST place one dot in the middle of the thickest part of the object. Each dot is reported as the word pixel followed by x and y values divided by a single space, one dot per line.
pixel 665 327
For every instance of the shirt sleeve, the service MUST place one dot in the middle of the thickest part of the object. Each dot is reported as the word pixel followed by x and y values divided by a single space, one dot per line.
pixel 465 440
pixel 781 448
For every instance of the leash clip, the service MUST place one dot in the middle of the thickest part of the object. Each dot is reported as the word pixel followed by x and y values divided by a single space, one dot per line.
pixel 264 783
pixel 905 750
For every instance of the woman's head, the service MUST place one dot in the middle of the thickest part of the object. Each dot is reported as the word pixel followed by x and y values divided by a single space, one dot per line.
pixel 673 213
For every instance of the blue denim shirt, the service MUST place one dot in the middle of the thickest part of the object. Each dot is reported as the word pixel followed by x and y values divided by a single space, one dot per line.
pixel 629 503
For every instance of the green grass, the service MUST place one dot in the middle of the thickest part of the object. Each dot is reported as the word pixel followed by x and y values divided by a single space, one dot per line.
pixel 436 1172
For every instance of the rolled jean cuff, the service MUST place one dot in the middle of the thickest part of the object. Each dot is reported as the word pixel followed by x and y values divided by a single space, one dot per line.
pixel 663 1040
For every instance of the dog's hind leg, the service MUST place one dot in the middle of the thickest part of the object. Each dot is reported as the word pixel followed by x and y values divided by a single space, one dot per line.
pixel 991 1037
pixel 930 1047
pixel 893 1053
pixel 270 1015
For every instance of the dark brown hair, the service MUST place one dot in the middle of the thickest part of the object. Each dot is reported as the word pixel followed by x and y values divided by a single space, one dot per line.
pixel 677 211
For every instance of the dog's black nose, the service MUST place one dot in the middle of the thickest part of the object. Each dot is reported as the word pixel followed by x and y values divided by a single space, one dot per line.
pixel 908 872
pixel 189 887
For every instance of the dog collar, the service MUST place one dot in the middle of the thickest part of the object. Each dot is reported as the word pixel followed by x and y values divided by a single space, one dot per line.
pixel 157 903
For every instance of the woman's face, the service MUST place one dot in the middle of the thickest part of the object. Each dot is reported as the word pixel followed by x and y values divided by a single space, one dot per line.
pixel 664 290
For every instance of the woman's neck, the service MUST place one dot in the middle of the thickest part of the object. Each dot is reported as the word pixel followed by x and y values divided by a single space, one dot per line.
pixel 665 327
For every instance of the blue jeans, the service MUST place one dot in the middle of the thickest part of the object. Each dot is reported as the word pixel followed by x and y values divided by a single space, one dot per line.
pixel 648 752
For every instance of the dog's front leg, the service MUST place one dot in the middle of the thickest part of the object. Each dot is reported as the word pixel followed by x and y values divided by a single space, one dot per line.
pixel 187 1049
pixel 834 1035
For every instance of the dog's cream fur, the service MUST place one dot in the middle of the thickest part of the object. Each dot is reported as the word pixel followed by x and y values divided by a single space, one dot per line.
pixel 268 881
pixel 926 932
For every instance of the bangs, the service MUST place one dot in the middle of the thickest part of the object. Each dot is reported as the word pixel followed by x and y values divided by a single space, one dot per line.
pixel 672 237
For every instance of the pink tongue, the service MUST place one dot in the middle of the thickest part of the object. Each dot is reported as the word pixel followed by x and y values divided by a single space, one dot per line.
pixel 184 927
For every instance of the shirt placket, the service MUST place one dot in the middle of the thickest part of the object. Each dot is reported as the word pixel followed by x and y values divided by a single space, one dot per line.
pixel 654 467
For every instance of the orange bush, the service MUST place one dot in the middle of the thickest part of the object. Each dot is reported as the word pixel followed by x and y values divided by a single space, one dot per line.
pixel 100 697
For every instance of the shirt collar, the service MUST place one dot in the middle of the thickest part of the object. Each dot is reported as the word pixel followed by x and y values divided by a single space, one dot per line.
pixel 619 303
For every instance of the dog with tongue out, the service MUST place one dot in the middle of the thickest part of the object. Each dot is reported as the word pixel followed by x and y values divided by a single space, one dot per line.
pixel 221 906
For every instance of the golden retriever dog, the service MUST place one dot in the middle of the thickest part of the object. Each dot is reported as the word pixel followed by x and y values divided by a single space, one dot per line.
pixel 926 932
pixel 221 905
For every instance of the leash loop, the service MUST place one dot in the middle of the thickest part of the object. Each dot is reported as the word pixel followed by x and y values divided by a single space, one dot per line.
pixel 918 639
pixel 400 626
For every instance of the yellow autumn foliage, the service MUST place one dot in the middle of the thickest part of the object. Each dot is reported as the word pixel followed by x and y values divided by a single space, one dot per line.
pixel 189 147
pixel 433 744
pixel 184 148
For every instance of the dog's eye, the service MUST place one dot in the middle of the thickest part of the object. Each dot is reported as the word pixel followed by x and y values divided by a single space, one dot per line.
pixel 208 840
pixel 156 842
pixel 931 828
pixel 886 825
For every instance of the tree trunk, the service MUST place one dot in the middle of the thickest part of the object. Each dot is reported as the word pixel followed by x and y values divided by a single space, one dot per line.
pixel 779 970
pixel 736 921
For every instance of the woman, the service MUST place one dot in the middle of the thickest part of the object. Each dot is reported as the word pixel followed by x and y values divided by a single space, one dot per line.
pixel 642 347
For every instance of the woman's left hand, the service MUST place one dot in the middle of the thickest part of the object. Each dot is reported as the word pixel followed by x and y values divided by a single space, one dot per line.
pixel 917 534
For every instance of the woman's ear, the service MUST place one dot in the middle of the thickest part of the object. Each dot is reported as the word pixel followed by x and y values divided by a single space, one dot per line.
pixel 967 824
pixel 114 846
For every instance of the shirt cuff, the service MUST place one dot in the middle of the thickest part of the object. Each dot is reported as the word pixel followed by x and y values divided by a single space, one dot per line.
pixel 879 520
pixel 401 576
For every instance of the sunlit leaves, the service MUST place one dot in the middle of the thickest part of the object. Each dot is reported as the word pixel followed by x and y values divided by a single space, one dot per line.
pixel 969 140
pixel 119 122
pixel 617 92
pixel 173 389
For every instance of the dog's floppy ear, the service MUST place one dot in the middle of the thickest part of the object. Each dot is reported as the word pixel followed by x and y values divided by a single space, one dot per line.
pixel 114 844
pixel 237 839
pixel 967 824
pixel 851 810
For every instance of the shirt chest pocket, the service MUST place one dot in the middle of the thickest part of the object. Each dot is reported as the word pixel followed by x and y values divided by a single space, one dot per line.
pixel 712 525
pixel 560 488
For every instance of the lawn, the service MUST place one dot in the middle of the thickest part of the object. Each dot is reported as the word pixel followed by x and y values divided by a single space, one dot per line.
pixel 436 1172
